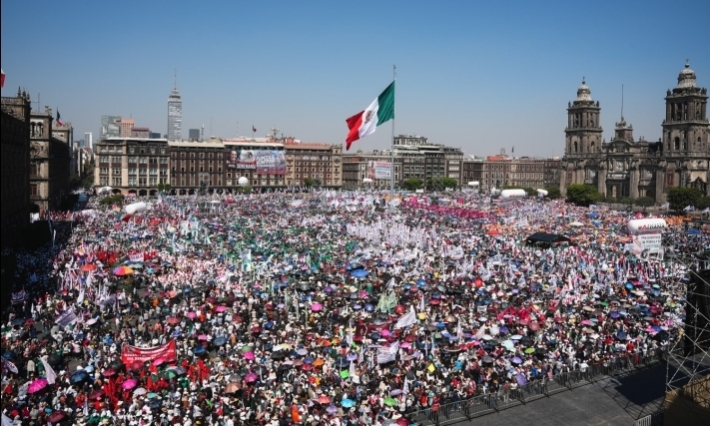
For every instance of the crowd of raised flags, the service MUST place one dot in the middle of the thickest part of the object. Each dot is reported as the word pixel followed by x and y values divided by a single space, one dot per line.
pixel 327 308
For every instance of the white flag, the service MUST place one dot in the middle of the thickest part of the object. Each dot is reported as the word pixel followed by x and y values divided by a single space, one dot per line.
pixel 50 375
pixel 6 421
pixel 407 319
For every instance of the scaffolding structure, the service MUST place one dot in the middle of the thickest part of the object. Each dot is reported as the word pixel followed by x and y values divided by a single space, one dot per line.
pixel 689 354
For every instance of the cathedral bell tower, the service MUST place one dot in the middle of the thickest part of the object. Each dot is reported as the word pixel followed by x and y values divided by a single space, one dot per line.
pixel 685 129
pixel 583 139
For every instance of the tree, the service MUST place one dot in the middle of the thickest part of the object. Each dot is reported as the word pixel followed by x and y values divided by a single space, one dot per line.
pixel 644 202
pixel 412 184
pixel 441 183
pixel 679 198
pixel 553 192
pixel 703 203
pixel 164 187
pixel 309 182
pixel 582 195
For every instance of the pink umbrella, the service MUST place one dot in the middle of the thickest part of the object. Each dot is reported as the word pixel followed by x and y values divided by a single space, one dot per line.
pixel 158 361
pixel 129 384
pixel 316 307
pixel 109 372
pixel 191 315
pixel 251 377
pixel 249 355
pixel 221 308
pixel 37 386
pixel 202 337
pixel 385 332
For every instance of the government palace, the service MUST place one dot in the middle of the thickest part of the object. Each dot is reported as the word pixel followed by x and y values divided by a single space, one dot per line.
pixel 624 167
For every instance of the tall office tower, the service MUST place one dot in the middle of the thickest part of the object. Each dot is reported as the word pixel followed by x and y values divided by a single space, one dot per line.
pixel 127 125
pixel 194 134
pixel 110 126
pixel 175 114
pixel 89 140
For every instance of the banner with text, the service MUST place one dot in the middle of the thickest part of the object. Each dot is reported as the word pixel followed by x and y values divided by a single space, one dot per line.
pixel 647 244
pixel 379 170
pixel 166 352
pixel 264 162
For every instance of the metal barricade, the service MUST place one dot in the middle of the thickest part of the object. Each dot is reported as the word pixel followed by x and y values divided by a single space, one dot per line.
pixel 457 411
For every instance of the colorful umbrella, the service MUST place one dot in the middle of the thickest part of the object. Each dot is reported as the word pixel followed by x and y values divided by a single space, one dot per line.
pixel 122 271
pixel 129 384
pixel 37 386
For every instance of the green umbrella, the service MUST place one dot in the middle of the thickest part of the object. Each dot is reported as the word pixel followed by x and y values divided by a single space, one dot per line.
pixel 530 350
pixel 390 401
pixel 246 348
pixel 170 374
pixel 344 374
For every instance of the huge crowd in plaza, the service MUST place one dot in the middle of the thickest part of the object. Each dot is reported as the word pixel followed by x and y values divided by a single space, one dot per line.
pixel 320 308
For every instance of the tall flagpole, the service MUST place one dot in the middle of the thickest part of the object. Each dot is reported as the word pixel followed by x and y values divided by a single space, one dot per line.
pixel 394 78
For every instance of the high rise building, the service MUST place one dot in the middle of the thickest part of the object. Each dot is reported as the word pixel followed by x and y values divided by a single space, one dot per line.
pixel 127 125
pixel 110 126
pixel 194 134
pixel 174 114
pixel 89 140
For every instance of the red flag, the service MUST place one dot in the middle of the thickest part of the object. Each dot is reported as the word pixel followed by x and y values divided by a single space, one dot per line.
pixel 2 78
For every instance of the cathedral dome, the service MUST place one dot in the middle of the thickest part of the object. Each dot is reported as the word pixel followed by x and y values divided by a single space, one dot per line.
pixel 686 78
pixel 583 92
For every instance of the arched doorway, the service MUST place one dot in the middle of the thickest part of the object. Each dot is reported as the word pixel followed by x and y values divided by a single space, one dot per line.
pixel 143 192
pixel 116 191
pixel 153 192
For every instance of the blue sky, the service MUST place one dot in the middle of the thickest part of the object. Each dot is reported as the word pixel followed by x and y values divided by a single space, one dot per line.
pixel 480 75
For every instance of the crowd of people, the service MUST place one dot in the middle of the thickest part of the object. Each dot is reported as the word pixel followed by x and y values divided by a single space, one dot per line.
pixel 322 308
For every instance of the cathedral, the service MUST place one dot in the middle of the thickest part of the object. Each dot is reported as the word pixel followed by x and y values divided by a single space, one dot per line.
pixel 624 167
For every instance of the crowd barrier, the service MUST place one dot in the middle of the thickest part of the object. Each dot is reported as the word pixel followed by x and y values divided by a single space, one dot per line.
pixel 449 412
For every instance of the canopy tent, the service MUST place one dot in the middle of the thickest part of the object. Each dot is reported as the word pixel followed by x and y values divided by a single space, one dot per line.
pixel 545 238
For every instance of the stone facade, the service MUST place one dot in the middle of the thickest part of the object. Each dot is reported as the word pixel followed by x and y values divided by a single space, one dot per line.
pixel 624 167
pixel 131 166
pixel 15 166
pixel 50 160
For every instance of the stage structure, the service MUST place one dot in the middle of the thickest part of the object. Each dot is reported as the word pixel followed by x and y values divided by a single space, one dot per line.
pixel 689 355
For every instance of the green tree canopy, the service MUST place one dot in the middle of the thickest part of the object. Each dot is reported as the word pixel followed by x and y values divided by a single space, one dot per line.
pixel 582 195
pixel 679 198
pixel 412 184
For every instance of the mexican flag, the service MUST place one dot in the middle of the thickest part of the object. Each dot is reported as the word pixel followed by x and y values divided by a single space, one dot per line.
pixel 364 123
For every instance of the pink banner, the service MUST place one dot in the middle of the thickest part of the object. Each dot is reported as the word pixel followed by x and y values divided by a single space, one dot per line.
pixel 446 210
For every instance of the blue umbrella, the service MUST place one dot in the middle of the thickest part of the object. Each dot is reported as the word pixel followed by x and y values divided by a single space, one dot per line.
pixel 199 350
pixel 219 341
pixel 79 377
pixel 359 273
pixel 347 403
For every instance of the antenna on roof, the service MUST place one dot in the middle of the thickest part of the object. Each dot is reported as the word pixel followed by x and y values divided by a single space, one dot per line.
pixel 622 102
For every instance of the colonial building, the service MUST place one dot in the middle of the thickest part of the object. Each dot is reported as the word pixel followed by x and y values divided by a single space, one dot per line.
pixel 196 165
pixel 131 166
pixel 15 125
pixel 50 160
pixel 498 171
pixel 261 160
pixel 624 167
pixel 414 158
pixel 316 161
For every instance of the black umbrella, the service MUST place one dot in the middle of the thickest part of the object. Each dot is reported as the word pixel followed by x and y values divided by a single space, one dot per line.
pixel 116 365
pixel 54 360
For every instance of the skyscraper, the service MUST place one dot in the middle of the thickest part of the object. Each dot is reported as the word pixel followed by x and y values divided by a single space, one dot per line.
pixel 194 134
pixel 110 126
pixel 89 140
pixel 175 114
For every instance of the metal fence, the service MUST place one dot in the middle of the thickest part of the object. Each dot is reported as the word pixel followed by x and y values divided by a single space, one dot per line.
pixel 479 405
pixel 655 419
